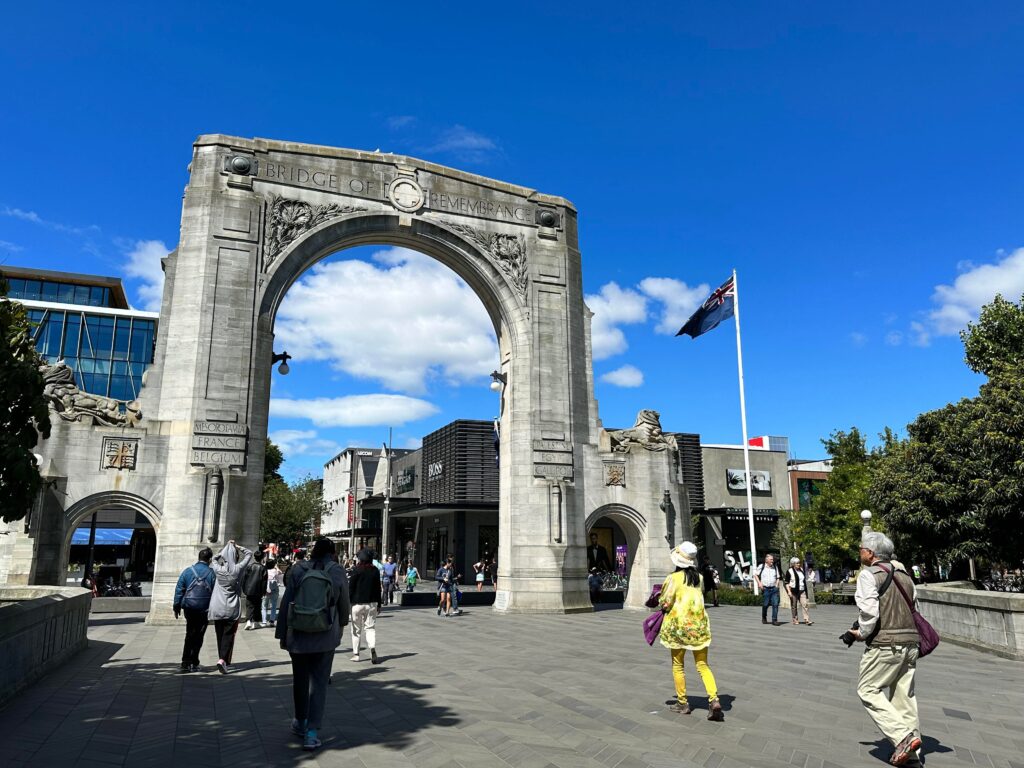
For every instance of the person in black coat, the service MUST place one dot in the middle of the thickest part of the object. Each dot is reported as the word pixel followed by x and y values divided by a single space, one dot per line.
pixel 597 556
pixel 365 594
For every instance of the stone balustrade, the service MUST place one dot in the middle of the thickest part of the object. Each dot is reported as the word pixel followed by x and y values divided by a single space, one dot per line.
pixel 986 621
pixel 40 628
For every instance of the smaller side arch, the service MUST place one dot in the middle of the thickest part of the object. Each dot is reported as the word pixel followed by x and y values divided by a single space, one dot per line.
pixel 81 509
pixel 634 525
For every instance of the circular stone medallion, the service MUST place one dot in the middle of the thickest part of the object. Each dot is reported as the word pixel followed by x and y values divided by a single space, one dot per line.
pixel 406 195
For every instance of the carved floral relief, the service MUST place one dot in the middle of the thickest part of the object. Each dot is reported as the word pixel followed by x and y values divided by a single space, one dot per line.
pixel 508 252
pixel 287 219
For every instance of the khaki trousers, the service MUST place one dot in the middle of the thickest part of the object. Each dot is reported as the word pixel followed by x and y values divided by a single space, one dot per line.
pixel 886 688
pixel 802 602
pixel 364 625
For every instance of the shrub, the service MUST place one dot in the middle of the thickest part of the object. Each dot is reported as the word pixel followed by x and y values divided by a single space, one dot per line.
pixel 737 596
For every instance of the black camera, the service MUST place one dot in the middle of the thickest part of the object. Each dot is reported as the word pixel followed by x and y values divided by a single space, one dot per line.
pixel 847 636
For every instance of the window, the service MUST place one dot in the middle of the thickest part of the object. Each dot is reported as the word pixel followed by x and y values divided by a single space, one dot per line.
pixel 49 291
pixel 82 293
pixel 33 290
pixel 16 288
pixel 71 330
pixel 121 337
pixel 65 293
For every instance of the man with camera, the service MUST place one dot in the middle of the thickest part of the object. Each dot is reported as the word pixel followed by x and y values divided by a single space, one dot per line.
pixel 886 625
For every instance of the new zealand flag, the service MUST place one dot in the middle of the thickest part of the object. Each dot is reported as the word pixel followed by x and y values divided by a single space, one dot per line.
pixel 718 307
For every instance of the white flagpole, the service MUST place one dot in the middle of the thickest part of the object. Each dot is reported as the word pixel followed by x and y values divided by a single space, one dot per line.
pixel 743 419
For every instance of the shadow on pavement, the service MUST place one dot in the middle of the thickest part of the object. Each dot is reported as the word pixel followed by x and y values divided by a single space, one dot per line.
pixel 881 749
pixel 97 622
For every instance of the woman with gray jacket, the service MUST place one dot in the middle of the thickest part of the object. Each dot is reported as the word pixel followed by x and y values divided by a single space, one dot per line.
pixel 225 605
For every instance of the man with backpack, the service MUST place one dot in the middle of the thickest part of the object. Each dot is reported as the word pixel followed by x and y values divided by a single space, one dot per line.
pixel 254 586
pixel 314 609
pixel 192 596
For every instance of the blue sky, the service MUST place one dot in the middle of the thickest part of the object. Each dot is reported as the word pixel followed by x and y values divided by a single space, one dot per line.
pixel 860 166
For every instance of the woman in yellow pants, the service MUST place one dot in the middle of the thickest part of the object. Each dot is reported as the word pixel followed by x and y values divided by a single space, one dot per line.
pixel 686 627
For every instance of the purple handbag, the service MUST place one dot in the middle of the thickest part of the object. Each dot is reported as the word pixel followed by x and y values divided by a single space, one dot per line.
pixel 652 626
pixel 652 601
pixel 929 638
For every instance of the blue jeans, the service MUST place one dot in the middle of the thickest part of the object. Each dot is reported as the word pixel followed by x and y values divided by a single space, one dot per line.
pixel 771 597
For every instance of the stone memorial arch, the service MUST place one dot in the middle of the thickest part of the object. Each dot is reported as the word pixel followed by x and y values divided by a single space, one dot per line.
pixel 256 215
pixel 189 453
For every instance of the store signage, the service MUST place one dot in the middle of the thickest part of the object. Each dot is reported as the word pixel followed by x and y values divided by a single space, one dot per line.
pixel 405 481
pixel 761 480
pixel 434 470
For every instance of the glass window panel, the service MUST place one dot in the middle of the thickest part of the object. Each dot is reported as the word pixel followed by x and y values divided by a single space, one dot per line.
pixel 105 293
pixel 142 342
pixel 121 337
pixel 120 369
pixel 96 297
pixel 49 291
pixel 53 334
pixel 65 293
pixel 72 362
pixel 35 315
pixel 80 381
pixel 102 367
pixel 71 330
pixel 120 389
pixel 137 370
pixel 101 333
pixel 33 289
pixel 87 364
pixel 16 288
pixel 81 294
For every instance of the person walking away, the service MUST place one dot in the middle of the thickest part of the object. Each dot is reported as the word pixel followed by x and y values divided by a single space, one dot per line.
pixel 192 596
pixel 494 572
pixel 885 684
pixel 314 609
pixel 767 578
pixel 480 569
pixel 225 604
pixel 275 583
pixel 796 588
pixel 686 627
pixel 709 580
pixel 389 578
pixel 411 577
pixel 364 591
pixel 254 585
pixel 594 584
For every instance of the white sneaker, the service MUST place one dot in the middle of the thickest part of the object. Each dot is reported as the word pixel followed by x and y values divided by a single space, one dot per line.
pixel 355 658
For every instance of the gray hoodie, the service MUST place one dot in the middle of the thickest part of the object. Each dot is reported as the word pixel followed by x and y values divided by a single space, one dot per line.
pixel 224 602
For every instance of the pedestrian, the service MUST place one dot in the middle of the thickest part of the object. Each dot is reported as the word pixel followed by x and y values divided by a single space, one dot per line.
pixel 192 596
pixel 314 609
pixel 767 578
pixel 411 577
pixel 494 572
pixel 796 587
pixel 445 577
pixel 275 583
pixel 254 586
pixel 686 627
pixel 364 591
pixel 225 605
pixel 885 684
pixel 389 578
pixel 594 584
pixel 709 580
pixel 480 569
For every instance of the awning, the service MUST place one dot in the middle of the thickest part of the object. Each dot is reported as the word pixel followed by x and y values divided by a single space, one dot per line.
pixel 104 536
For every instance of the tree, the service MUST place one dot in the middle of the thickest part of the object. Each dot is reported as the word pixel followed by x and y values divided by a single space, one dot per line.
pixel 24 415
pixel 954 489
pixel 830 528
pixel 291 512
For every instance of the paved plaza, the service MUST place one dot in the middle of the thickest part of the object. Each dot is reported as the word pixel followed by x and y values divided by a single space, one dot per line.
pixel 487 690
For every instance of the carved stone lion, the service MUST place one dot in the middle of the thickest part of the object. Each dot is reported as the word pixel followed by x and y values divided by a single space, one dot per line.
pixel 72 404
pixel 646 433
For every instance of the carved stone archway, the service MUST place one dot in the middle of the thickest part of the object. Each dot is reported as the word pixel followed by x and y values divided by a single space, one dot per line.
pixel 634 526
pixel 256 215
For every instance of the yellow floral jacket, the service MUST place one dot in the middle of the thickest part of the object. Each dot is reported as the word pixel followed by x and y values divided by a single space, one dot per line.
pixel 686 623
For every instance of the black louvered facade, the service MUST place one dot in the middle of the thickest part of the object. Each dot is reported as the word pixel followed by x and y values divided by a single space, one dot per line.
pixel 459 464
pixel 691 467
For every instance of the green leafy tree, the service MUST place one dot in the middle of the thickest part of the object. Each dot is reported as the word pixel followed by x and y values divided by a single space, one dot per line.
pixel 288 512
pixel 954 488
pixel 24 416
pixel 829 529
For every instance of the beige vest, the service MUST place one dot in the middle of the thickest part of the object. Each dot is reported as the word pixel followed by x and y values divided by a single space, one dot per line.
pixel 895 620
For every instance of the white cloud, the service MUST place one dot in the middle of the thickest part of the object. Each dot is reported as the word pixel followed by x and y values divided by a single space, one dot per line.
pixel 303 442
pixel 858 339
pixel 960 302
pixel 406 323
pixel 612 307
pixel 920 336
pixel 144 265
pixel 413 443
pixel 397 122
pixel 678 300
pixel 894 338
pixel 354 410
pixel 9 246
pixel 626 376
pixel 34 218
pixel 463 143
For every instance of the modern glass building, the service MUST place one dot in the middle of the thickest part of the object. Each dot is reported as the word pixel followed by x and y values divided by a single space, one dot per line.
pixel 85 321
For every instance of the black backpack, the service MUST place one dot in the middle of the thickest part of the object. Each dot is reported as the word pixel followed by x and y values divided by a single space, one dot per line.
pixel 197 593
pixel 255 582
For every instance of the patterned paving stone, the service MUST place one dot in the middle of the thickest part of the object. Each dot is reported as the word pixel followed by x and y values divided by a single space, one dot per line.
pixel 483 690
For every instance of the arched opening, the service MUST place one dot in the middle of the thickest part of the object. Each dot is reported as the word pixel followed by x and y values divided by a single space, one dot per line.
pixel 435 490
pixel 616 534
pixel 114 536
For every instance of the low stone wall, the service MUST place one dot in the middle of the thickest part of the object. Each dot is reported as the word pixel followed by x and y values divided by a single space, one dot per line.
pixel 986 621
pixel 121 604
pixel 40 629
